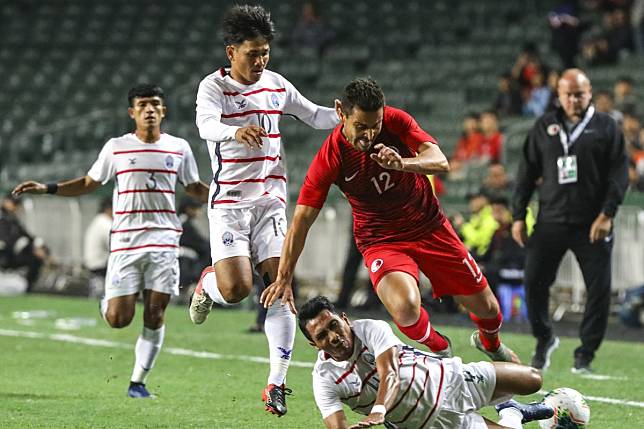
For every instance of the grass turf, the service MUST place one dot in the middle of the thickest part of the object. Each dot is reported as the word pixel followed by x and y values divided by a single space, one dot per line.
pixel 45 383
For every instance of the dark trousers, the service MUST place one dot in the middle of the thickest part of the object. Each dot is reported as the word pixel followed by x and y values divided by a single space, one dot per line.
pixel 351 265
pixel 33 264
pixel 545 250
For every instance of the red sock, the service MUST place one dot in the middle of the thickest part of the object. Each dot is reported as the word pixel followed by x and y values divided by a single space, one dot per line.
pixel 489 331
pixel 423 332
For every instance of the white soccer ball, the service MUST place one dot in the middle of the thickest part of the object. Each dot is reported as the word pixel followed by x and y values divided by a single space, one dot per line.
pixel 571 410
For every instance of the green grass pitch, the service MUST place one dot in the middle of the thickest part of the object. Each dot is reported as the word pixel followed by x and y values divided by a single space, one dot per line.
pixel 50 381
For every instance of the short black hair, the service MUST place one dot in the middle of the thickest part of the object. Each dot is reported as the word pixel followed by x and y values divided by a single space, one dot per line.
pixel 144 90
pixel 364 93
pixel 604 93
pixel 104 204
pixel 499 200
pixel 625 79
pixel 311 309
pixel 246 22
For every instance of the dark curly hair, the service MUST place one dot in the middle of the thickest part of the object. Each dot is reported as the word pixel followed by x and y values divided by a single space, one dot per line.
pixel 364 93
pixel 245 22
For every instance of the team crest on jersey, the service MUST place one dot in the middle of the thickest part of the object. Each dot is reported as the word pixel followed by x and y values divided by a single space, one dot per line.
pixel 169 161
pixel 241 103
pixel 275 100
pixel 553 129
pixel 376 264
pixel 227 238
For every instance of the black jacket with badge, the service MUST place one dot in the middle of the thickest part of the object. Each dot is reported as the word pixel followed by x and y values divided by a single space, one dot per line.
pixel 602 171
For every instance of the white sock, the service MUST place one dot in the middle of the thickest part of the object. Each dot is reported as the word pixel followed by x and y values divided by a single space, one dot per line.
pixel 209 284
pixel 511 417
pixel 280 331
pixel 147 348
pixel 103 308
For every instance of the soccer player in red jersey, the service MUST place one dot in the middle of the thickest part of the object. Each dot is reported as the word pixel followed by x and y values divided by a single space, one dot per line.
pixel 379 158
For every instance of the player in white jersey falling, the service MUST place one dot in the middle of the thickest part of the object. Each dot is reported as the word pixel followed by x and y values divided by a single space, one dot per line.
pixel 145 231
pixel 365 366
pixel 238 112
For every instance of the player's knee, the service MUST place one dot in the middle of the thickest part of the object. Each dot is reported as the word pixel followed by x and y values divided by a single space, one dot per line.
pixel 118 320
pixel 236 293
pixel 153 319
pixel 405 314
pixel 531 381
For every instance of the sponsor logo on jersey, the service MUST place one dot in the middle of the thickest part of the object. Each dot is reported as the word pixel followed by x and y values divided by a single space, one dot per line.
pixel 169 161
pixel 132 161
pixel 236 194
pixel 350 178
pixel 275 100
pixel 241 103
pixel 376 264
pixel 227 238
pixel 553 129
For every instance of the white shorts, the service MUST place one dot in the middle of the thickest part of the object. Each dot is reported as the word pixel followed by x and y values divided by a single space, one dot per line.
pixel 128 274
pixel 256 232
pixel 469 388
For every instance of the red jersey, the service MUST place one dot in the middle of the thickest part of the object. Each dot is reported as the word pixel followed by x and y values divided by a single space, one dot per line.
pixel 387 205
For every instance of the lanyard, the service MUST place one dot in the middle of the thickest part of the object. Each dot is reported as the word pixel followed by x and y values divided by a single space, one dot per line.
pixel 563 136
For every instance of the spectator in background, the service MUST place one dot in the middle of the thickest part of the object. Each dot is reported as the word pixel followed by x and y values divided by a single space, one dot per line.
pixel 97 247
pixel 194 251
pixel 605 103
pixel 477 231
pixel 310 31
pixel 565 30
pixel 553 78
pixel 504 261
pixel 538 95
pixel 18 248
pixel 526 66
pixel 631 128
pixel 469 144
pixel 497 184
pixel 492 139
pixel 637 25
pixel 508 97
pixel 623 91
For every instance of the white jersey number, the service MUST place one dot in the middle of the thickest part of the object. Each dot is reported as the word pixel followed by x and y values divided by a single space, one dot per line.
pixel 385 179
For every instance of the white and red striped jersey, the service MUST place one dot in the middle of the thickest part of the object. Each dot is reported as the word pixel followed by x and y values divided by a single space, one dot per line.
pixel 145 218
pixel 355 382
pixel 242 176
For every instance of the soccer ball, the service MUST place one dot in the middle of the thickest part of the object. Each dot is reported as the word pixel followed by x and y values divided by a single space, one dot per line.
pixel 571 410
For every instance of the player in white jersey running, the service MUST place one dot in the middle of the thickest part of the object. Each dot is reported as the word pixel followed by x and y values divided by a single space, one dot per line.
pixel 363 365
pixel 145 232
pixel 238 112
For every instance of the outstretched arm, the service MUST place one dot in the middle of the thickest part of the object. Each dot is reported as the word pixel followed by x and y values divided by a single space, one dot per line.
pixel 198 190
pixel 303 218
pixel 69 188
pixel 430 159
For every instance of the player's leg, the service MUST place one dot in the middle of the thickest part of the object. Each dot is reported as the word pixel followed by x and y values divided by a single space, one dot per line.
pixel 230 279
pixel 395 278
pixel 279 326
pixel 161 281
pixel 122 283
pixel 452 271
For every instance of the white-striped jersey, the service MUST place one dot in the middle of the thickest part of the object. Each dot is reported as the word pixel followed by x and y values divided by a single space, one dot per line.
pixel 242 176
pixel 145 218
pixel 355 382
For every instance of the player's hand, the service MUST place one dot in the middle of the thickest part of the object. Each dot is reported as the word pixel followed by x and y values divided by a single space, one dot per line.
pixel 600 228
pixel 29 187
pixel 373 419
pixel 279 288
pixel 520 232
pixel 251 136
pixel 387 157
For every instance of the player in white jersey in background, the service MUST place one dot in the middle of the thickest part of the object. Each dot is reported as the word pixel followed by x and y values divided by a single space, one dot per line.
pixel 238 113
pixel 365 366
pixel 145 231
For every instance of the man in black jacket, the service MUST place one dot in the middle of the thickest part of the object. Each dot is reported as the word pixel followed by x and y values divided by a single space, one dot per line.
pixel 576 157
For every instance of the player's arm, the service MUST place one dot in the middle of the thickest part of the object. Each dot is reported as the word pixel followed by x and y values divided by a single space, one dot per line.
pixel 198 190
pixel 318 117
pixel 303 218
pixel 69 188
pixel 337 420
pixel 387 368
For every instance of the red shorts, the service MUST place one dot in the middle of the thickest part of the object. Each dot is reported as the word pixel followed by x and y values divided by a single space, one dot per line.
pixel 440 255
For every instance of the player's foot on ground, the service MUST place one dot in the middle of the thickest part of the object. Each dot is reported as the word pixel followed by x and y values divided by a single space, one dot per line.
pixel 502 354
pixel 530 412
pixel 542 352
pixel 447 352
pixel 581 365
pixel 274 397
pixel 138 390
pixel 200 302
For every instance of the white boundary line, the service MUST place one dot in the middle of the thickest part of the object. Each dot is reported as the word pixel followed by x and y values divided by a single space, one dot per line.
pixel 217 356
